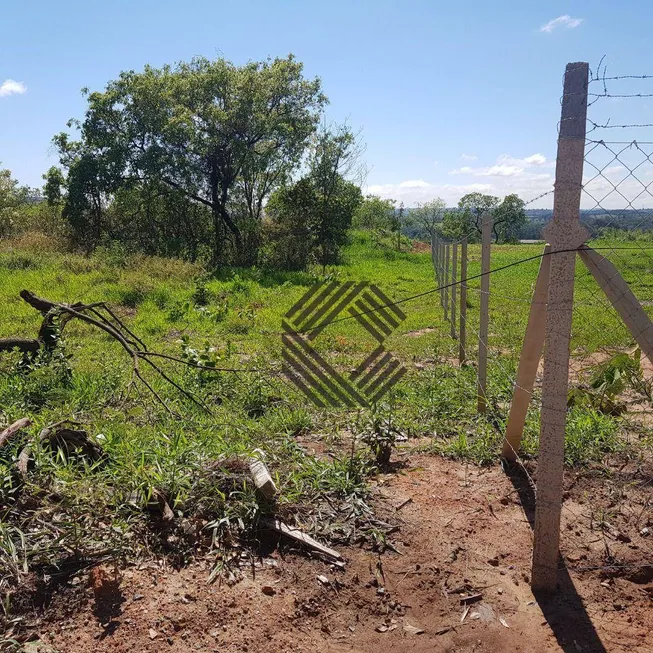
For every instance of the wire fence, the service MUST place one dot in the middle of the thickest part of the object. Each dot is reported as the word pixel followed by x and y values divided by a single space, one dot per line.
pixel 610 373
pixel 491 296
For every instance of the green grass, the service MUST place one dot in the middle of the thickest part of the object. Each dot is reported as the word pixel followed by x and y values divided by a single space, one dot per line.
pixel 234 318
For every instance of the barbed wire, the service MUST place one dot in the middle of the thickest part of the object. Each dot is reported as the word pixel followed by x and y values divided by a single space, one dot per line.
pixel 540 196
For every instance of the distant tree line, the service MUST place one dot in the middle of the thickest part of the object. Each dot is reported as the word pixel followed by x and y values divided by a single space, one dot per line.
pixel 434 218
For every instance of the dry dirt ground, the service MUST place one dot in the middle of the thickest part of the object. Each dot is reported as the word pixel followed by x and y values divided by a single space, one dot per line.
pixel 463 532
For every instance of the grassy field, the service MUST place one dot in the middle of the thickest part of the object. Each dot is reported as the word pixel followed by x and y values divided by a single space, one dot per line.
pixel 233 319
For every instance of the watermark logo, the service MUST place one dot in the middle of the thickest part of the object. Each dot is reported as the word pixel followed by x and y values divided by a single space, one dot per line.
pixel 311 373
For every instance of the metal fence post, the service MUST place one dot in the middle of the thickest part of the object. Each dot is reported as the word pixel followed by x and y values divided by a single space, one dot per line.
pixel 486 238
pixel 564 233
pixel 462 354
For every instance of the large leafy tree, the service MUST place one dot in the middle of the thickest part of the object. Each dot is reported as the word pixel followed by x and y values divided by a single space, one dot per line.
pixel 318 209
pixel 429 215
pixel 334 163
pixel 508 219
pixel 291 241
pixel 208 131
pixel 374 213
pixel 466 219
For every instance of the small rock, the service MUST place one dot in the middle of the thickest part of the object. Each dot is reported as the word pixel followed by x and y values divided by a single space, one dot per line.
pixel 323 579
pixel 152 633
pixel 645 532
pixel 412 630
pixel 268 590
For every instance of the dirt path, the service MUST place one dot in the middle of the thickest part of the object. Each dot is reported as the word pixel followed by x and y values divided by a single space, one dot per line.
pixel 463 532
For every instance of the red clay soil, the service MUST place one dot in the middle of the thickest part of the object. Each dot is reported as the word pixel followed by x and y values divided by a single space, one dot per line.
pixel 459 581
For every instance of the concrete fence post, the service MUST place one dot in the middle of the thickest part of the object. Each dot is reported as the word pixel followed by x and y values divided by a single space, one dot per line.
pixel 447 261
pixel 564 234
pixel 529 361
pixel 462 343
pixel 442 274
pixel 454 278
pixel 486 239
pixel 435 269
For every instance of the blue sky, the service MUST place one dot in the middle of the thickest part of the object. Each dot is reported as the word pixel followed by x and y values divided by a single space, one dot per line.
pixel 450 96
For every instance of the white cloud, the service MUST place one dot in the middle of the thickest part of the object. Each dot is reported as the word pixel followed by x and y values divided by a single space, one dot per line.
pixel 500 171
pixel 529 177
pixel 491 171
pixel 561 21
pixel 506 166
pixel 414 183
pixel 468 157
pixel 535 159
pixel 412 194
pixel 12 87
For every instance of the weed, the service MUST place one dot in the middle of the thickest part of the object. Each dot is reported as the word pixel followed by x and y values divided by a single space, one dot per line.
pixel 19 261
pixel 201 294
pixel 289 421
pixel 590 435
pixel 132 296
pixel 380 434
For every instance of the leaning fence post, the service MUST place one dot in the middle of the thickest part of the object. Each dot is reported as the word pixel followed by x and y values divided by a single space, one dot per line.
pixel 454 270
pixel 565 234
pixel 486 236
pixel 462 354
pixel 529 360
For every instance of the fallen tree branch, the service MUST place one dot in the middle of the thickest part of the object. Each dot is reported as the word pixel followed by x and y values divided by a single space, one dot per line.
pixel 21 344
pixel 12 429
pixel 57 314
pixel 299 536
